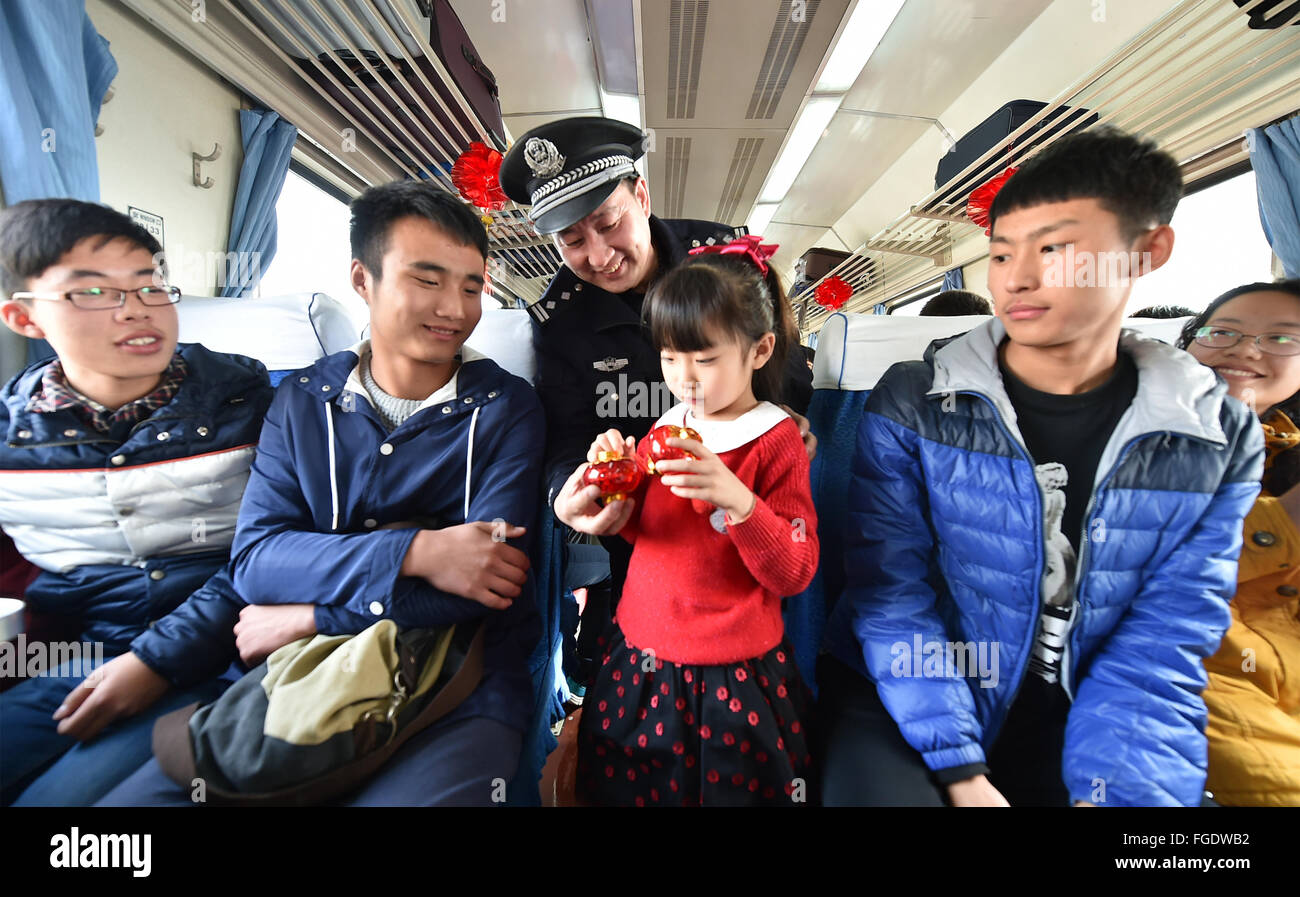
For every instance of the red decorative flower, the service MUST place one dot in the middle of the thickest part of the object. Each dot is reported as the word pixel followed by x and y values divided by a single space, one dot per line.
pixel 981 200
pixel 728 739
pixel 713 776
pixel 735 705
pixel 721 693
pixel 832 292
pixel 659 728
pixel 706 732
pixel 642 740
pixel 741 675
pixel 477 175
pixel 753 718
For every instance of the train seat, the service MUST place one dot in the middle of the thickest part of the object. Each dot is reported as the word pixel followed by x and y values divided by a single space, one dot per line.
pixel 285 333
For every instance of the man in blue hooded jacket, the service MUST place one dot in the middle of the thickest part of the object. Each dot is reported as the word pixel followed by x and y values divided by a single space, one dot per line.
pixel 121 469
pixel 406 428
pixel 1045 517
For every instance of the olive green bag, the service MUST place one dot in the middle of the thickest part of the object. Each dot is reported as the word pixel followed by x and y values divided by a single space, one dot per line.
pixel 320 715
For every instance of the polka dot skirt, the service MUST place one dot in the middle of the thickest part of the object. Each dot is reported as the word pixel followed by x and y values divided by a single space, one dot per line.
pixel 659 733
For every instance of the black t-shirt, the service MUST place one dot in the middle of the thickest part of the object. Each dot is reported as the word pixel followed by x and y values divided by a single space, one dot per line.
pixel 1072 430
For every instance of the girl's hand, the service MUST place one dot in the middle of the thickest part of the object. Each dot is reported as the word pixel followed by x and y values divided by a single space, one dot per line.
pixel 611 441
pixel 707 479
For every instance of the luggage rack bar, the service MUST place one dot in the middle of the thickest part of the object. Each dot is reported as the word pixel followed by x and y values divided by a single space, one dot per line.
pixel 1235 69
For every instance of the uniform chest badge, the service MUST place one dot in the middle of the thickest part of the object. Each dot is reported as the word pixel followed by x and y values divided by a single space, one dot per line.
pixel 610 364
pixel 543 157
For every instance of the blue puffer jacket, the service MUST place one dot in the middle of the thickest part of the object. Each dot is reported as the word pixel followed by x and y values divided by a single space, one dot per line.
pixel 946 543
pixel 132 530
pixel 329 478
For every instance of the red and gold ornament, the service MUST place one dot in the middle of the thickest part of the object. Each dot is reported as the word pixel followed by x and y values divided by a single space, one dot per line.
pixel 654 446
pixel 615 476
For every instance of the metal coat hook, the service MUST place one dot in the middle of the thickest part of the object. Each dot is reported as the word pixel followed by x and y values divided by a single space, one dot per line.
pixel 199 179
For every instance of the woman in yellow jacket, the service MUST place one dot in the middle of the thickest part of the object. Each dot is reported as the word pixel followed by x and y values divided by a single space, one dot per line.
pixel 1251 337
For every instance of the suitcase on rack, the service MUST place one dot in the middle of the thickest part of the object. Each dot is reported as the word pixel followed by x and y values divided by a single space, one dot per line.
pixel 470 75
pixel 994 130
pixel 1269 16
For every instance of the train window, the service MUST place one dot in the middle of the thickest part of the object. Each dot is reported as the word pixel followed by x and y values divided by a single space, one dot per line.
pixel 1219 243
pixel 911 302
pixel 312 252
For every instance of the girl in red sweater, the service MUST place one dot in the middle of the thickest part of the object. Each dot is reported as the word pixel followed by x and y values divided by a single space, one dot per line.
pixel 698 700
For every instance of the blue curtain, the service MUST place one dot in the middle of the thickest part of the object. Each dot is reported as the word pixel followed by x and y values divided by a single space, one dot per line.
pixel 267 142
pixel 54 70
pixel 1275 156
pixel 954 280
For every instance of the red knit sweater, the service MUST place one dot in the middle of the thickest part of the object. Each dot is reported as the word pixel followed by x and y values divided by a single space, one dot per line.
pixel 695 595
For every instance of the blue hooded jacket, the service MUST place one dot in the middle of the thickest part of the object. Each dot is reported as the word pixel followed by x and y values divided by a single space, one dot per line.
pixel 946 542
pixel 328 478
pixel 132 529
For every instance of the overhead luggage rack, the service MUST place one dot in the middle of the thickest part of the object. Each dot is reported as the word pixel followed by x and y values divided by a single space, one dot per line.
pixel 361 81
pixel 1194 81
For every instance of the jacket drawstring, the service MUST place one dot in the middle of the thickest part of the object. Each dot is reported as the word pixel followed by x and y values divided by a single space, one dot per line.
pixel 334 477
pixel 469 458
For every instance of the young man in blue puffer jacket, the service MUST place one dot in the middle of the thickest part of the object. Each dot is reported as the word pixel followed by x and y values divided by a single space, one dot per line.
pixel 121 472
pixel 1045 518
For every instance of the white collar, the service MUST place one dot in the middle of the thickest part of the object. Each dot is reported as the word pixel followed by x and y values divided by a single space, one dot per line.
pixel 446 393
pixel 725 435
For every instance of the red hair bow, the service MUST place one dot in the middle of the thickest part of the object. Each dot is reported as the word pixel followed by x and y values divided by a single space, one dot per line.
pixel 477 175
pixel 750 245
pixel 981 199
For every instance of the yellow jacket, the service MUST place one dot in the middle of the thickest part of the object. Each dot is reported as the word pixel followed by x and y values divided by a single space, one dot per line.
pixel 1253 694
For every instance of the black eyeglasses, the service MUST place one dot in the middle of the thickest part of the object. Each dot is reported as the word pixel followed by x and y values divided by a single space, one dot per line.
pixel 102 298
pixel 1268 343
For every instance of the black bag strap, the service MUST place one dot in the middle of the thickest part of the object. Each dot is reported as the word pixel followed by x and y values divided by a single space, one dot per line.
pixel 175 751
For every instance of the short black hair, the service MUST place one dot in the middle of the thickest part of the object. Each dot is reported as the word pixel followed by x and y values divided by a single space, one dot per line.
pixel 1164 312
pixel 36 233
pixel 957 302
pixel 1131 177
pixel 375 211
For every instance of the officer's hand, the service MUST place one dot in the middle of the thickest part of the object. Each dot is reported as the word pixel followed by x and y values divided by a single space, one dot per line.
pixel 122 687
pixel 578 507
pixel 805 431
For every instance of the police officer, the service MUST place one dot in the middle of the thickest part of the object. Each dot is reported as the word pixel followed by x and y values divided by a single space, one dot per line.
pixel 597 368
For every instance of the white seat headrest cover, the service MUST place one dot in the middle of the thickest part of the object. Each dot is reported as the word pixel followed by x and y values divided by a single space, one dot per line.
pixel 506 336
pixel 855 350
pixel 283 332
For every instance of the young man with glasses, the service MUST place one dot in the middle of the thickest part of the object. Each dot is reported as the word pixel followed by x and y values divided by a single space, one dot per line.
pixel 121 471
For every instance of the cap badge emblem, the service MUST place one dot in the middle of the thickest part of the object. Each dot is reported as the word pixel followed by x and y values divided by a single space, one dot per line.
pixel 542 157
